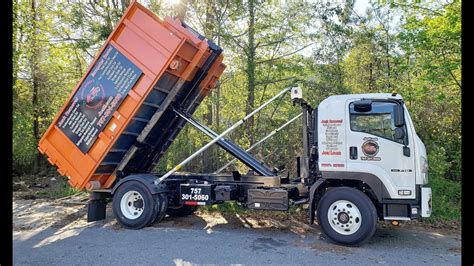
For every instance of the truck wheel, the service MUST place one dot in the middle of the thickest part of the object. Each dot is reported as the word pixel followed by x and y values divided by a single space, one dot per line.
pixel 161 203
pixel 133 205
pixel 347 216
pixel 161 200
pixel 181 210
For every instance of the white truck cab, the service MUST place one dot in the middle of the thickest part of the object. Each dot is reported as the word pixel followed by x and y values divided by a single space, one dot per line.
pixel 359 138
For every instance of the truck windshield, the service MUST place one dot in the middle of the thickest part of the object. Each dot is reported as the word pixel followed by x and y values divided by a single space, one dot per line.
pixel 379 121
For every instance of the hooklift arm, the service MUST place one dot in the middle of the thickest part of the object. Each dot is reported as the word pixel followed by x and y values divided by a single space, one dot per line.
pixel 227 131
pixel 229 146
pixel 259 142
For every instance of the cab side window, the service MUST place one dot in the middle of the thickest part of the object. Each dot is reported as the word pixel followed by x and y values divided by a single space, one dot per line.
pixel 379 121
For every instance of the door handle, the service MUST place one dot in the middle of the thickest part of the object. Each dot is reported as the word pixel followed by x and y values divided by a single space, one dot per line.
pixel 353 153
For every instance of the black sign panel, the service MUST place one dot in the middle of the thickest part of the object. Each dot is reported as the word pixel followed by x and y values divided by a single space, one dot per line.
pixel 101 93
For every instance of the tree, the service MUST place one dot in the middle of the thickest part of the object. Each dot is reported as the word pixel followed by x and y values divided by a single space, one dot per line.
pixel 431 38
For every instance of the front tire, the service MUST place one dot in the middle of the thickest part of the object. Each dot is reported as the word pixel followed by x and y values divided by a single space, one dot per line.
pixel 347 216
pixel 133 205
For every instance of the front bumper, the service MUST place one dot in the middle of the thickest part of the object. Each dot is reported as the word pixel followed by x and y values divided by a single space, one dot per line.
pixel 420 207
pixel 426 202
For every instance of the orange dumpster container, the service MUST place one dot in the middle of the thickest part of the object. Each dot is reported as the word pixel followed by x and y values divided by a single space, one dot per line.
pixel 119 119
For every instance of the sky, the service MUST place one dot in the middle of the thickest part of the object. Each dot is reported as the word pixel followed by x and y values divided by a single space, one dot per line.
pixel 360 6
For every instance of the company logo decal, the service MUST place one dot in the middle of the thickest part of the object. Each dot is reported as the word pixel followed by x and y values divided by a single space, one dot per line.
pixel 370 148
pixel 93 94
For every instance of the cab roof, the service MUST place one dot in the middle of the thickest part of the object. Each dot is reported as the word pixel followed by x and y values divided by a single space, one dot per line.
pixel 364 95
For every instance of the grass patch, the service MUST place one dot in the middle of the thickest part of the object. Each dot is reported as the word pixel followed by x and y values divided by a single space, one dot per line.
pixel 55 194
pixel 226 207
pixel 59 190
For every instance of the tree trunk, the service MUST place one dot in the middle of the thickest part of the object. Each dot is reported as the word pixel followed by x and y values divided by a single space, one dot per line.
pixel 410 89
pixel 218 107
pixel 388 60
pixel 251 69
pixel 35 78
pixel 15 35
pixel 125 4
pixel 371 77
pixel 209 155
pixel 217 117
pixel 209 32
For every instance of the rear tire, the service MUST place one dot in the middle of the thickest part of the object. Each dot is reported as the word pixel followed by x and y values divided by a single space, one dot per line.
pixel 181 210
pixel 133 205
pixel 161 200
pixel 347 216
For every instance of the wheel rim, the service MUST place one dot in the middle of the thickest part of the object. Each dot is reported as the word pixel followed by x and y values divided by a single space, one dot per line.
pixel 344 217
pixel 132 204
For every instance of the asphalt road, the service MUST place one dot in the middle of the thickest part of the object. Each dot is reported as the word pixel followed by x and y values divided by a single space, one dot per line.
pixel 194 240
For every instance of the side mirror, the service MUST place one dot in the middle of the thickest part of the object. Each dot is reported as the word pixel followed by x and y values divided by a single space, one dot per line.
pixel 399 133
pixel 398 115
pixel 363 106
pixel 406 151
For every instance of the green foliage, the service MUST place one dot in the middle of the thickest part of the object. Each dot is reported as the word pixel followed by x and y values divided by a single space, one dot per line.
pixel 433 43
pixel 24 146
pixel 42 78
pixel 446 193
pixel 63 190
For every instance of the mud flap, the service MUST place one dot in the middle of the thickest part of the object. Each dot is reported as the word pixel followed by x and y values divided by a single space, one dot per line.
pixel 96 206
pixel 312 205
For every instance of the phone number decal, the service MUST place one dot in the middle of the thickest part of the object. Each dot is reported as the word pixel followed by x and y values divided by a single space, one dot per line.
pixel 194 197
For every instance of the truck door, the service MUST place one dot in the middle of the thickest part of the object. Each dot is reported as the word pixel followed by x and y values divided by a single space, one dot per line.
pixel 375 146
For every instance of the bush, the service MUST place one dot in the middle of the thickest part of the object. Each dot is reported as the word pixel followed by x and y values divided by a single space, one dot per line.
pixel 446 193
pixel 24 145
